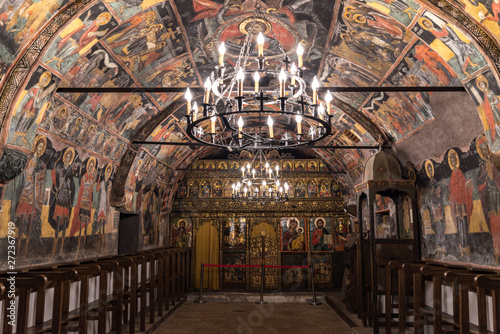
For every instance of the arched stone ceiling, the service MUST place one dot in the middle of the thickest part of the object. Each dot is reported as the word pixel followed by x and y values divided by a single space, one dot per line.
pixel 50 44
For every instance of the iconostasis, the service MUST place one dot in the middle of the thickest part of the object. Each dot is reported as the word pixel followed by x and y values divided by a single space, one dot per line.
pixel 310 229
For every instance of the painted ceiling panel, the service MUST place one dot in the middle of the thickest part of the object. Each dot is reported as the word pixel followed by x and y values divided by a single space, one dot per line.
pixel 154 43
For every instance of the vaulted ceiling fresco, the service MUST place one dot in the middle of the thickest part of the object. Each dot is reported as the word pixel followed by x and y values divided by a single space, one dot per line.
pixel 49 44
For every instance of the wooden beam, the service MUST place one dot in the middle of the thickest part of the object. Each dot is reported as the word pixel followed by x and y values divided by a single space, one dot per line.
pixel 122 90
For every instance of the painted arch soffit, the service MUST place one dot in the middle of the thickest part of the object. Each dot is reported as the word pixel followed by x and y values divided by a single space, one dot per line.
pixel 113 38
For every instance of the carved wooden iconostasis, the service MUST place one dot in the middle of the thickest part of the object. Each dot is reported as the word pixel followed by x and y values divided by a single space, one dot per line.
pixel 309 229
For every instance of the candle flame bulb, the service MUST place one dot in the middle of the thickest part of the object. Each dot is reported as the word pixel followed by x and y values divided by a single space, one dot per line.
pixel 253 173
pixel 321 110
pixel 286 186
pixel 213 119
pixel 270 124
pixel 222 51
pixel 293 71
pixel 282 79
pixel 256 78
pixel 243 171
pixel 277 169
pixel 315 86
pixel 264 183
pixel 188 97
pixel 298 118
pixel 195 111
pixel 281 190
pixel 208 88
pixel 240 128
pixel 267 165
pixel 260 44
pixel 300 53
pixel 328 99
pixel 240 77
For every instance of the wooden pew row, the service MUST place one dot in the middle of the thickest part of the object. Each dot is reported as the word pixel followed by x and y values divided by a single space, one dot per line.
pixel 129 287
pixel 410 282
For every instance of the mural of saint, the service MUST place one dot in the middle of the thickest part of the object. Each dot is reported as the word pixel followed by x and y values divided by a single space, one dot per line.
pixel 194 189
pixel 182 232
pixel 217 189
pixel 205 189
pixel 321 234
pixel 300 189
pixel 340 234
pixel 29 188
pixel 31 106
pixel 83 209
pixel 460 199
pixel 323 189
pixel 293 235
pixel 287 166
pixel 312 189
pixel 101 204
pixel 62 194
pixel 235 165
pixel 322 266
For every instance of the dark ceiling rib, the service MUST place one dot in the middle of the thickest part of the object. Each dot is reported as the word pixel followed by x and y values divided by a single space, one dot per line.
pixel 104 90
pixel 332 147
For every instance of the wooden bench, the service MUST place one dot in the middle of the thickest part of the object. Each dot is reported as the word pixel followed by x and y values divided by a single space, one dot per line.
pixel 56 279
pixel 23 288
pixel 491 284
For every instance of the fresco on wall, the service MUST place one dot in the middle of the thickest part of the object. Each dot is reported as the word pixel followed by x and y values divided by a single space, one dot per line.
pixel 371 44
pixel 67 123
pixel 147 40
pixel 289 23
pixel 485 12
pixel 485 92
pixel 30 107
pixel 458 205
pixel 396 114
pixel 78 38
pixel 60 204
pixel 340 72
pixel 19 21
pixel 321 232
pixel 450 44
pixel 403 10
pixel 293 234
pixel 182 232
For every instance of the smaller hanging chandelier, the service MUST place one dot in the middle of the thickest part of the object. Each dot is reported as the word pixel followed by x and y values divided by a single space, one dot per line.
pixel 260 182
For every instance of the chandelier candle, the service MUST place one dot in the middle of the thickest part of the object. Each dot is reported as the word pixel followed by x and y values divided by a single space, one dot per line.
pixel 208 88
pixel 328 99
pixel 256 79
pixel 270 124
pixel 300 53
pixel 222 51
pixel 188 97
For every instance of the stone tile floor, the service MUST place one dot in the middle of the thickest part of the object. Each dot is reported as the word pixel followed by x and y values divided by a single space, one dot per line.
pixel 249 318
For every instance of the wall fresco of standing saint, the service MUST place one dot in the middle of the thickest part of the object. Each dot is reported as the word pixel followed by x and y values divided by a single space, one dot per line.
pixel 459 205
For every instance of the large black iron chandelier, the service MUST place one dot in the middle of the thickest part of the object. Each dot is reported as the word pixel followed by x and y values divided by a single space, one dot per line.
pixel 268 108
pixel 260 182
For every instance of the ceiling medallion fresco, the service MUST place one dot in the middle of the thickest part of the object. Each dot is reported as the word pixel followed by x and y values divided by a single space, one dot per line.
pixel 165 44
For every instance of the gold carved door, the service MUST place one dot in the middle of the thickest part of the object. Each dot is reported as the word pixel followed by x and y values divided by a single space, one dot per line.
pixel 258 232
